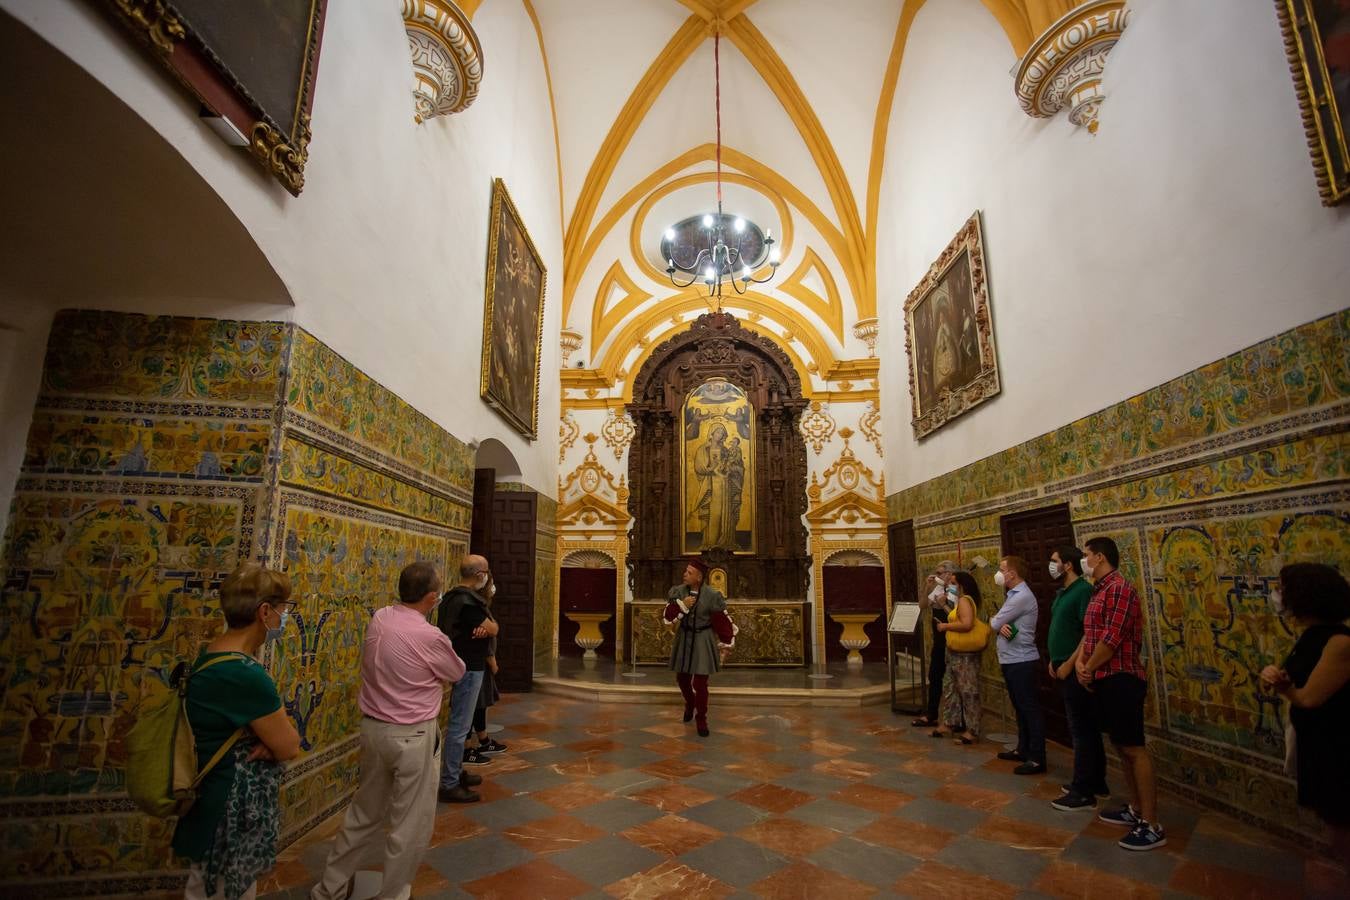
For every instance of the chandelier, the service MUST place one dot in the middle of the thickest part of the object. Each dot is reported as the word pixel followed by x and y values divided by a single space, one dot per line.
pixel 719 261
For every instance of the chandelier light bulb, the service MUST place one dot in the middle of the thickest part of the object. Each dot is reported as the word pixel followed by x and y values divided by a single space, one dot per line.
pixel 707 220
pixel 768 234
pixel 774 257
pixel 745 273
pixel 739 225
pixel 670 234
pixel 709 275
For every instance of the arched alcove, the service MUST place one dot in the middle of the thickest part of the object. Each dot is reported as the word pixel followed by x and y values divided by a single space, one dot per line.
pixel 494 455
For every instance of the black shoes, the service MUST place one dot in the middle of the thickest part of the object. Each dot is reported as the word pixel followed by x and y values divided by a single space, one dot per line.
pixel 475 757
pixel 703 728
pixel 688 714
pixel 468 779
pixel 490 746
pixel 1030 768
pixel 1072 801
pixel 1012 756
pixel 457 794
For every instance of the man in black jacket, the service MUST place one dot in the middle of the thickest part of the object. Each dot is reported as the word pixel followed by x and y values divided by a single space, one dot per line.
pixel 464 619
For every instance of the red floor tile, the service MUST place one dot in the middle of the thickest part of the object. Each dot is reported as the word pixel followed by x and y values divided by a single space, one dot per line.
pixel 789 837
pixel 1216 881
pixel 772 797
pixel 807 882
pixel 671 880
pixel 535 879
pixel 936 880
pixel 671 835
pixel 911 837
pixel 869 796
pixel 552 835
pixel 1076 882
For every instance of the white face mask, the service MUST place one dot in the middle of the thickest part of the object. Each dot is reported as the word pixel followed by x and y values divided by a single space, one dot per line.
pixel 493 591
pixel 1277 601
pixel 482 581
pixel 936 593
pixel 1054 570
pixel 998 578
pixel 1087 570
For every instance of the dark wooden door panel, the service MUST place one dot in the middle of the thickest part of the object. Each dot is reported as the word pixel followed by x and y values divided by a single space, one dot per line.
pixel 511 557
pixel 1034 535
pixel 480 527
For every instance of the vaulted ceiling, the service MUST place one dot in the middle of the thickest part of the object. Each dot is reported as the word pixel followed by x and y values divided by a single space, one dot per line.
pixel 806 99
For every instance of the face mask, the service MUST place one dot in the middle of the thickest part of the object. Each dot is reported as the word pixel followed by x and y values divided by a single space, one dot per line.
pixel 482 581
pixel 998 578
pixel 1087 570
pixel 1277 601
pixel 952 591
pixel 936 593
pixel 1054 570
pixel 492 592
pixel 275 633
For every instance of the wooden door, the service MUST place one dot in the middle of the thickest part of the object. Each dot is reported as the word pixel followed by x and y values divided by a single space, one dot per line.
pixel 1034 535
pixel 511 557
pixel 480 526
pixel 585 590
pixel 855 589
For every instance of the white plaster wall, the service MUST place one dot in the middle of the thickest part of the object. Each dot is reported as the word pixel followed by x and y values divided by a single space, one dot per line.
pixel 384 252
pixel 1188 228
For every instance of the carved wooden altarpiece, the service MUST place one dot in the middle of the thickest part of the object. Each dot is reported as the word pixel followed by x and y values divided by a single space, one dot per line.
pixel 716 347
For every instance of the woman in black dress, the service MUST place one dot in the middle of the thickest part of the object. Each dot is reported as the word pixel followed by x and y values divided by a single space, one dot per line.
pixel 1315 681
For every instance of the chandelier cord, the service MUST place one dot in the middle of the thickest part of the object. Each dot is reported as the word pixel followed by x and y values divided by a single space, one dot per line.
pixel 717 102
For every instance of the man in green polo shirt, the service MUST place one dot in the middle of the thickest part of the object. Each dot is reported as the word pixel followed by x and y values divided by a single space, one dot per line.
pixel 1066 632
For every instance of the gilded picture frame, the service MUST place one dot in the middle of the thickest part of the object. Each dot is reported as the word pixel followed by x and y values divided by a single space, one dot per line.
pixel 949 335
pixel 513 317
pixel 1306 26
pixel 253 68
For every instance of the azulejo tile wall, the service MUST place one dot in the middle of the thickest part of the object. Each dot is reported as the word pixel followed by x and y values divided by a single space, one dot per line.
pixel 163 452
pixel 1209 484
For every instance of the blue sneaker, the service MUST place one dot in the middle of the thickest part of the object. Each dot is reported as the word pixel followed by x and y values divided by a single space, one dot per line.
pixel 1144 837
pixel 1125 816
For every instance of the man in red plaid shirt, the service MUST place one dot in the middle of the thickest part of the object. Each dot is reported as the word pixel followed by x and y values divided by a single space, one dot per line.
pixel 1108 664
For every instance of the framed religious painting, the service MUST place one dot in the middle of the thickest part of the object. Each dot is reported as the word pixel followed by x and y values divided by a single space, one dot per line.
pixel 513 317
pixel 949 335
pixel 1317 39
pixel 251 64
pixel 717 456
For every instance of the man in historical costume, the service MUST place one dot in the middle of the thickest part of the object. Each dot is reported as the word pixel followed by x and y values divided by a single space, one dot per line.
pixel 714 503
pixel 703 632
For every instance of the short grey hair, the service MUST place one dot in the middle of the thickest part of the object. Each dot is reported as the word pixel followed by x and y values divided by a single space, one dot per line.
pixel 946 566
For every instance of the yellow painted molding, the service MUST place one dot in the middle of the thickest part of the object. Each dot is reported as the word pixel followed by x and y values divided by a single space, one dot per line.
pixel 469 7
pixel 734 159
pixel 583 379
pixel 678 49
pixel 797 363
pixel 552 109
pixel 830 308
pixel 851 396
pixel 644 210
pixel 604 320
pixel 854 369
pixel 606 403
pixel 694 301
pixel 778 77
pixel 881 126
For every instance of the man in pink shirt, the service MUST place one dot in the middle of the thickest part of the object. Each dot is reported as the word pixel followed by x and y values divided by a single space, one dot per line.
pixel 405 664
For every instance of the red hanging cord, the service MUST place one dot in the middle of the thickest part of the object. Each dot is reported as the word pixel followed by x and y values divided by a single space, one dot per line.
pixel 717 99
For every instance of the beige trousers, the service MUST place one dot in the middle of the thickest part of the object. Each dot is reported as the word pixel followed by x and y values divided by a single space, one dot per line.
pixel 196 887
pixel 395 803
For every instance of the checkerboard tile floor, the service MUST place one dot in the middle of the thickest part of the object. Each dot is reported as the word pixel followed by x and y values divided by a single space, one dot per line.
pixel 626 801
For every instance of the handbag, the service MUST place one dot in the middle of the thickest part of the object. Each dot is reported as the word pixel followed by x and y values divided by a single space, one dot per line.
pixel 972 641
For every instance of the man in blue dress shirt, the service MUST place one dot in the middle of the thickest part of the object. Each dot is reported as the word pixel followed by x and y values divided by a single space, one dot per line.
pixel 1015 625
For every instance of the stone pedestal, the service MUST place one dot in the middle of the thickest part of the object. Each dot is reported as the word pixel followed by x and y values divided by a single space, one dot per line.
pixel 588 630
pixel 854 639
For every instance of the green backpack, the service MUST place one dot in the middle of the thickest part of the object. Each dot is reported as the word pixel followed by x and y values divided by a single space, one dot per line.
pixel 162 776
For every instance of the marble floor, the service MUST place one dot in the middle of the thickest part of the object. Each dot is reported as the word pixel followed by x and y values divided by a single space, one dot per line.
pixel 626 801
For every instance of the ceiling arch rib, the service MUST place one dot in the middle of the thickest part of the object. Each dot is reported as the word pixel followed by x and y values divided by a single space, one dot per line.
pixel 736 160
pixel 803 329
pixel 667 62
pixel 776 74
pixel 606 317
pixel 825 302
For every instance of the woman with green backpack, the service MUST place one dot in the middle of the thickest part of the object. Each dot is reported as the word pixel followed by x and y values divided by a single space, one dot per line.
pixel 229 833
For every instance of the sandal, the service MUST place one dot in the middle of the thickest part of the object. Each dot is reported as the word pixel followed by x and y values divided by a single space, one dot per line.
pixel 965 741
pixel 923 723
pixel 939 734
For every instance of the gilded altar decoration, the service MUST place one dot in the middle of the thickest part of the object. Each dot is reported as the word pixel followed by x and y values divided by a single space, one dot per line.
pixel 254 71
pixel 568 432
pixel 870 425
pixel 446 56
pixel 949 335
pixel 1317 40
pixel 513 317
pixel 1064 67
pixel 718 464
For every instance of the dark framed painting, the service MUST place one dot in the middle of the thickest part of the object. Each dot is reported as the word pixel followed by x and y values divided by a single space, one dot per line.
pixel 949 335
pixel 513 317
pixel 251 63
pixel 1317 40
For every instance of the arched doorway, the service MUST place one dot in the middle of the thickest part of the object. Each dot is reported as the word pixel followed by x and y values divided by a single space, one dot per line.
pixel 586 585
pixel 855 585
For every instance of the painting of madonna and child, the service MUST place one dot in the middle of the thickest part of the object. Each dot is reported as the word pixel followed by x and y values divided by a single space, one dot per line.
pixel 718 466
